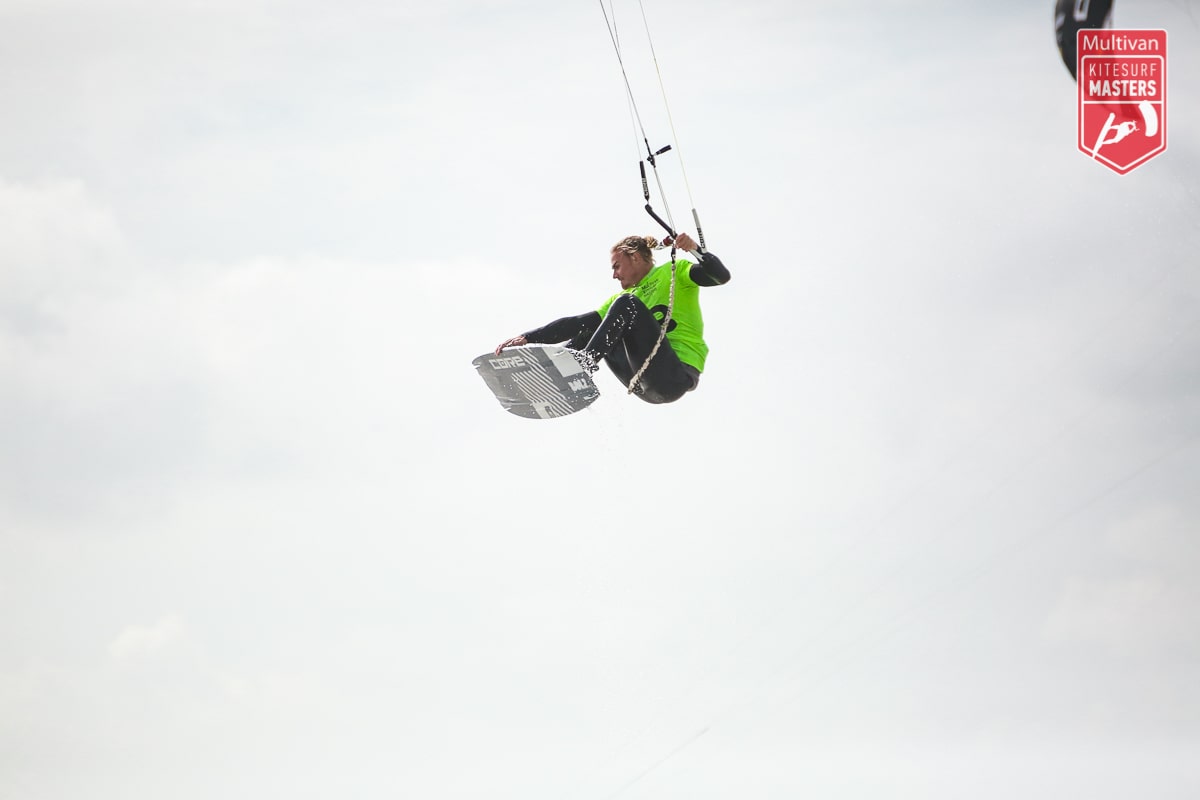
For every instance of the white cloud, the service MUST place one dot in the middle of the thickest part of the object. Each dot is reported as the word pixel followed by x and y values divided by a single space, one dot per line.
pixel 124 381
pixel 1128 614
pixel 1163 536
pixel 1143 601
pixel 140 642
pixel 56 239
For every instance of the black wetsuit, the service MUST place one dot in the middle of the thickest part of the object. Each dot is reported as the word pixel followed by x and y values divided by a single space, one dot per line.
pixel 625 336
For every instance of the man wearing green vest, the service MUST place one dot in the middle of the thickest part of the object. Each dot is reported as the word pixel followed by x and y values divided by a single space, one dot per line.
pixel 625 329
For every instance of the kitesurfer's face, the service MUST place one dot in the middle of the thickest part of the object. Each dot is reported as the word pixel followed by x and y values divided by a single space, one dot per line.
pixel 628 269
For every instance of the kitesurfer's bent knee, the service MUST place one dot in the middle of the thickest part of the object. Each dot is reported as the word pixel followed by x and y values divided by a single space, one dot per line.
pixel 664 381
pixel 626 337
pixel 659 388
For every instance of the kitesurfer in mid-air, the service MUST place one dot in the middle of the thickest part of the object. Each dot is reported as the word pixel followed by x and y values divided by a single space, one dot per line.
pixel 623 332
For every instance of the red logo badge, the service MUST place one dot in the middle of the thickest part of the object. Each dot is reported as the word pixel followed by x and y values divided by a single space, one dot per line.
pixel 1122 77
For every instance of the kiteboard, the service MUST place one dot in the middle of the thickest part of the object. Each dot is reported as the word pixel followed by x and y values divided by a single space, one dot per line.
pixel 537 381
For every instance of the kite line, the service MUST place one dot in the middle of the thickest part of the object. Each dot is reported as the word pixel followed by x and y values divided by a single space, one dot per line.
pixel 652 157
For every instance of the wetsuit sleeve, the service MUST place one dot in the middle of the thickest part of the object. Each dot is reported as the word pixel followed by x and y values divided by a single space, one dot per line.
pixel 574 328
pixel 709 271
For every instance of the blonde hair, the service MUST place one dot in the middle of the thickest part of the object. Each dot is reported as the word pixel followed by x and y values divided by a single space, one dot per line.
pixel 639 246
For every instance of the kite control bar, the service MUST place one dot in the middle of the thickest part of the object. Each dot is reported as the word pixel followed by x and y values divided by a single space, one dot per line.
pixel 671 235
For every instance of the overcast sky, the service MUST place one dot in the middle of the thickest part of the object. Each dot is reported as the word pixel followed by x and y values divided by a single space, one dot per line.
pixel 929 528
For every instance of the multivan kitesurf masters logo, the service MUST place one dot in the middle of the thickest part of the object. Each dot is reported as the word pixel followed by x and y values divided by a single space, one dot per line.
pixel 1122 77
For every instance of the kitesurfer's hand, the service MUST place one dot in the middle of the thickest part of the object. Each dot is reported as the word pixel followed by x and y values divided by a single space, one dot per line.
pixel 685 242
pixel 515 341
